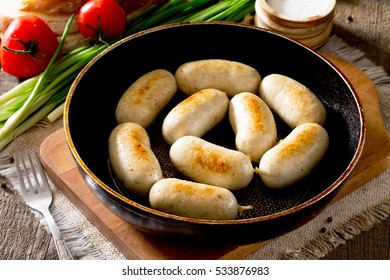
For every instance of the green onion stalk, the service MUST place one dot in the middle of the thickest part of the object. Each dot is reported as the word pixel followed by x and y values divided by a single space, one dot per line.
pixel 43 96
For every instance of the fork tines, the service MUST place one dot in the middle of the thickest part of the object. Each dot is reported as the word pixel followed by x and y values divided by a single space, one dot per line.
pixel 32 179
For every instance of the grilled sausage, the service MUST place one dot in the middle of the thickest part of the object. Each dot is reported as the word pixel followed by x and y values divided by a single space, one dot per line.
pixel 253 123
pixel 132 159
pixel 193 200
pixel 146 97
pixel 293 102
pixel 208 163
pixel 229 76
pixel 196 115
pixel 294 157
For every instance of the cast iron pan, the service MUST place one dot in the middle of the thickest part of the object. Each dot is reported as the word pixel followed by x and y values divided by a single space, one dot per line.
pixel 89 119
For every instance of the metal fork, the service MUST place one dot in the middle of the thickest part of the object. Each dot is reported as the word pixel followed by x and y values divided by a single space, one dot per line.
pixel 38 196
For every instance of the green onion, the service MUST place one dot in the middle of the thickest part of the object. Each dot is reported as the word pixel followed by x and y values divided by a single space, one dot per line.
pixel 44 95
pixel 172 12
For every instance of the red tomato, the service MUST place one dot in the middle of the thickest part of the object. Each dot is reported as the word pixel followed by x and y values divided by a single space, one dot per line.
pixel 27 47
pixel 101 20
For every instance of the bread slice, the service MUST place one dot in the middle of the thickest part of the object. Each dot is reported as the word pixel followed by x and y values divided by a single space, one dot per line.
pixel 55 13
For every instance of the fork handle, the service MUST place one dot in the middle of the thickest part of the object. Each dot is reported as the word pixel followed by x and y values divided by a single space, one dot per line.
pixel 62 249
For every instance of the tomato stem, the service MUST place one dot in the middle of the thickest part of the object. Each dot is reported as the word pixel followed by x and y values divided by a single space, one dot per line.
pixel 30 48
pixel 98 34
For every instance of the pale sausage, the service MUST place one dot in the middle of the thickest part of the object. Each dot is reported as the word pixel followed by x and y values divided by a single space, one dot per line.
pixel 146 97
pixel 193 200
pixel 196 115
pixel 229 76
pixel 253 123
pixel 208 163
pixel 132 160
pixel 293 102
pixel 294 158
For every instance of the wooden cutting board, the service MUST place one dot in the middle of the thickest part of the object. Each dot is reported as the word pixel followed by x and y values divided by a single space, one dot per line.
pixel 134 244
